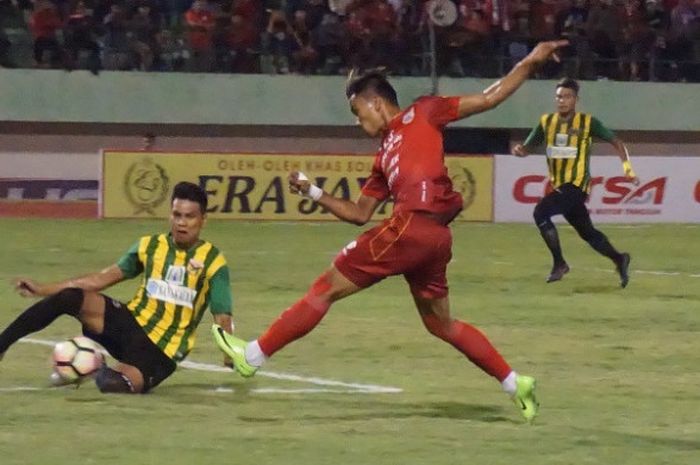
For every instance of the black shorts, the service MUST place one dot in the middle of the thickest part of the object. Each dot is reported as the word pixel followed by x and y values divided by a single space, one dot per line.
pixel 570 201
pixel 564 199
pixel 126 341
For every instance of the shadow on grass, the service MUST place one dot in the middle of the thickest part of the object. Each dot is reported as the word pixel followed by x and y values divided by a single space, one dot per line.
pixel 610 288
pixel 674 444
pixel 334 407
pixel 391 410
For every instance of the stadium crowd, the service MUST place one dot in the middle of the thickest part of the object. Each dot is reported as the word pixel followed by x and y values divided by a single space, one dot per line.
pixel 655 40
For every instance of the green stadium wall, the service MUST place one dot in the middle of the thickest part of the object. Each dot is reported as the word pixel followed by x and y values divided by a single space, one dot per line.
pixel 259 100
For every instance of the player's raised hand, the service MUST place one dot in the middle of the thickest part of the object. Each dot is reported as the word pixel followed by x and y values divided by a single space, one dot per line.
pixel 519 150
pixel 546 50
pixel 298 183
pixel 26 287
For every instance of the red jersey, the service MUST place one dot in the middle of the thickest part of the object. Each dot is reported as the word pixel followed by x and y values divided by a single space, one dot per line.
pixel 410 165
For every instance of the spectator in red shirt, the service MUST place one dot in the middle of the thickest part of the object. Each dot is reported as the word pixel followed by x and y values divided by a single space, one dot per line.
pixel 200 20
pixel 249 10
pixel 44 24
pixel 236 46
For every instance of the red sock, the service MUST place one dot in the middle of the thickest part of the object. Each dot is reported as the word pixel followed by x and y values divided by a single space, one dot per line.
pixel 472 343
pixel 297 320
pixel 292 324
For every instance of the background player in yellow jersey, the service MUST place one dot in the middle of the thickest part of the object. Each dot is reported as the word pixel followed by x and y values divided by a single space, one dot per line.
pixel 182 276
pixel 567 135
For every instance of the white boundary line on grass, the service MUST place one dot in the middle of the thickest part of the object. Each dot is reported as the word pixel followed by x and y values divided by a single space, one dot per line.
pixel 349 388
pixel 21 389
pixel 651 272
pixel 608 270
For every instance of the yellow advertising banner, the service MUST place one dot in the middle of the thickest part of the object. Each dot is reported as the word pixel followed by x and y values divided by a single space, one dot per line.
pixel 251 186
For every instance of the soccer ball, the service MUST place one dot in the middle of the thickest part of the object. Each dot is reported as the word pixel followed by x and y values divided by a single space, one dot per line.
pixel 76 358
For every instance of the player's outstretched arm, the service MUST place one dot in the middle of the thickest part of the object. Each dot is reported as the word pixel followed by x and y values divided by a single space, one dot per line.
pixel 624 155
pixel 358 212
pixel 90 282
pixel 504 88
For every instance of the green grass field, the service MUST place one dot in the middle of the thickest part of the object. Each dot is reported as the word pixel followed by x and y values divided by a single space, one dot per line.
pixel 617 369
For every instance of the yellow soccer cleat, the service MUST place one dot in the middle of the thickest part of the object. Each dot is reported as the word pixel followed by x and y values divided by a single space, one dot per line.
pixel 524 397
pixel 234 348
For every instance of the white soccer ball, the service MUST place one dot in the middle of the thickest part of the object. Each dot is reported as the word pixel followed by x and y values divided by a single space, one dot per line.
pixel 76 359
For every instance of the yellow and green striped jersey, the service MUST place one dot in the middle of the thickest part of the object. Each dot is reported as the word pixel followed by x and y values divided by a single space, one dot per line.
pixel 177 286
pixel 568 144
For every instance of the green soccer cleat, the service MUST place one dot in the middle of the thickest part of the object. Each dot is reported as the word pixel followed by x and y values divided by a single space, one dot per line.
pixel 234 348
pixel 525 398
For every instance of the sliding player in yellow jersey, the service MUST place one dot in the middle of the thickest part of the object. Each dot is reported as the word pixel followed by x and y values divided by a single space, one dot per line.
pixel 568 135
pixel 182 276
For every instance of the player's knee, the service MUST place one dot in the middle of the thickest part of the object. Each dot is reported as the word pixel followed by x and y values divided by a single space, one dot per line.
pixel 69 300
pixel 436 326
pixel 541 215
pixel 322 290
pixel 321 286
pixel 593 236
pixel 112 381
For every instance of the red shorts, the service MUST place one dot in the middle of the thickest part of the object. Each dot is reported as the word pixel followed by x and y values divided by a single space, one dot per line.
pixel 410 244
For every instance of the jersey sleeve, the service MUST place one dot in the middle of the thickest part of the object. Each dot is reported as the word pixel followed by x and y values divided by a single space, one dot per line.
pixel 129 263
pixel 376 185
pixel 439 110
pixel 220 300
pixel 536 136
pixel 599 130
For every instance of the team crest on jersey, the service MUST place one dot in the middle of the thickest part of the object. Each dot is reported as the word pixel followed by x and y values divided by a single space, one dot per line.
pixel 194 266
pixel 408 117
pixel 349 247
pixel 176 274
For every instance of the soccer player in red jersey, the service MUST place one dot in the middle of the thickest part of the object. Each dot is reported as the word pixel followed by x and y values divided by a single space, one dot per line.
pixel 416 241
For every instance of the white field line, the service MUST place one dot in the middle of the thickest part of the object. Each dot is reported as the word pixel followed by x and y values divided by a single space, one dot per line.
pixel 608 270
pixel 651 272
pixel 21 389
pixel 302 379
pixel 223 390
pixel 348 387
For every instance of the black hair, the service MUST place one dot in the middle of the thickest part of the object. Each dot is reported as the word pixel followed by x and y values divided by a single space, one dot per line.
pixel 371 81
pixel 568 83
pixel 190 191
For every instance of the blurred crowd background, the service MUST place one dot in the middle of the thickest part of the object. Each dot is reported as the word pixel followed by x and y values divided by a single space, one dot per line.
pixel 650 40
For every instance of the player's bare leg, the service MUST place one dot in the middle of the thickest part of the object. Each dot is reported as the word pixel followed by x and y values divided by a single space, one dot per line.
pixel 92 312
pixel 122 379
pixel 292 324
pixel 479 350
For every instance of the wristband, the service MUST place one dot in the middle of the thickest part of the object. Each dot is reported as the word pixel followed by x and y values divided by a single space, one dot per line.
pixel 315 192
pixel 627 167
